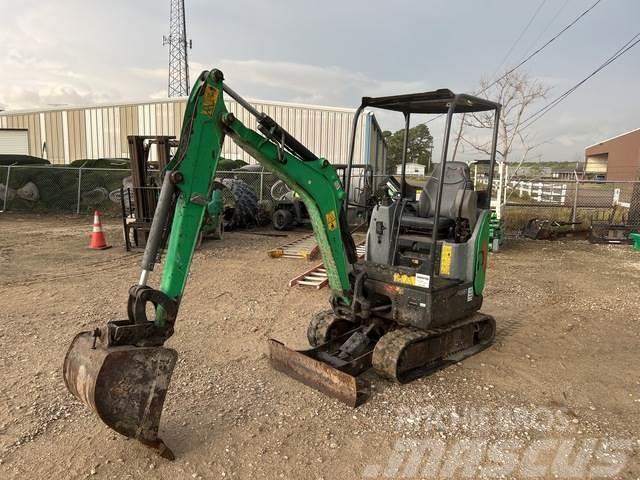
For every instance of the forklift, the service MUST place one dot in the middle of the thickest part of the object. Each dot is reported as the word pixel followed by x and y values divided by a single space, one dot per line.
pixel 409 307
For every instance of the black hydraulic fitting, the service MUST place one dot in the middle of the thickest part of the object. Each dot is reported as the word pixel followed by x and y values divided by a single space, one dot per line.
pixel 228 118
pixel 176 177
pixel 218 76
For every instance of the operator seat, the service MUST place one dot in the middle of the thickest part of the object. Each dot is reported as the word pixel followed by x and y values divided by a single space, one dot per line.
pixel 459 200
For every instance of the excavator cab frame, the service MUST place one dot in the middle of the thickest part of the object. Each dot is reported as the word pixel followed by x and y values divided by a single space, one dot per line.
pixel 439 102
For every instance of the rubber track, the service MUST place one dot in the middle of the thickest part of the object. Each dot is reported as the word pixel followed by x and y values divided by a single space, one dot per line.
pixel 318 326
pixel 390 347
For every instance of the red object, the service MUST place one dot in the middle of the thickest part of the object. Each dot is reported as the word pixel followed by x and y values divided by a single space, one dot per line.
pixel 98 242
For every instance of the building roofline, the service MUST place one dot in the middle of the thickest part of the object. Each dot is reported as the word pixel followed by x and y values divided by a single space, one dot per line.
pixel 612 138
pixel 151 101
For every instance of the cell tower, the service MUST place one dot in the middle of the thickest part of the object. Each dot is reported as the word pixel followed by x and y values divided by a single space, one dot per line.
pixel 177 41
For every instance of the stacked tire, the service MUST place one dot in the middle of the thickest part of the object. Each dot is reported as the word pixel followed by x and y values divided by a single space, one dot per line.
pixel 246 204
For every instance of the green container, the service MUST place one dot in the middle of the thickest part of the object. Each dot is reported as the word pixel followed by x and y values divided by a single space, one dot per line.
pixel 496 230
pixel 636 240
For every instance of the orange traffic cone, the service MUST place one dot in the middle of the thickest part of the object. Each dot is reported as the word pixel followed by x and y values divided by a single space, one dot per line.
pixel 98 241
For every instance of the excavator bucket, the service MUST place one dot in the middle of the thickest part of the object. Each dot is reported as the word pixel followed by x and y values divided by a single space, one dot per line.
pixel 125 385
pixel 319 369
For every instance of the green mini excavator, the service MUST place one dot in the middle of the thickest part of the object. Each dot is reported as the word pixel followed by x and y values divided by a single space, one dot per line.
pixel 409 307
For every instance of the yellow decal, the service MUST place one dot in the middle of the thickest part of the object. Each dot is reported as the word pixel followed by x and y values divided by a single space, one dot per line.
pixel 332 221
pixel 209 100
pixel 402 278
pixel 445 261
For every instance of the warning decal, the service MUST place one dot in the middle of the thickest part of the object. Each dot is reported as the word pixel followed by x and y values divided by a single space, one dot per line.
pixel 332 221
pixel 403 278
pixel 445 262
pixel 209 100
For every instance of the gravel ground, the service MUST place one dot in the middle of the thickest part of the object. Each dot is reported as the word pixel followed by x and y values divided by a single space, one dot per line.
pixel 564 369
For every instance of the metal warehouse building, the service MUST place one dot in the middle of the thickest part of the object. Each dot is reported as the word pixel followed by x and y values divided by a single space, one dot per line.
pixel 63 135
pixel 616 158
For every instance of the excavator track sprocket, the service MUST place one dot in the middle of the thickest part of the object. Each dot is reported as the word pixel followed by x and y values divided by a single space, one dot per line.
pixel 324 327
pixel 406 353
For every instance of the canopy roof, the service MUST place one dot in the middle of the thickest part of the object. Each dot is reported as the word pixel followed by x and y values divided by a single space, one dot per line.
pixel 434 102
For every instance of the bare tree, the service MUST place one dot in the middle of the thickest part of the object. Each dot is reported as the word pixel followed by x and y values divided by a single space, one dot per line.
pixel 516 92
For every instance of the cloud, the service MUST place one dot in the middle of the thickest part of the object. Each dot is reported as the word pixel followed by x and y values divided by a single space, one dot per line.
pixel 52 95
pixel 77 52
pixel 147 73
pixel 294 82
pixel 307 83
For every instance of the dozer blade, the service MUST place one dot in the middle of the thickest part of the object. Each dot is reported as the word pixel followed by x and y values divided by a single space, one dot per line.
pixel 312 368
pixel 125 385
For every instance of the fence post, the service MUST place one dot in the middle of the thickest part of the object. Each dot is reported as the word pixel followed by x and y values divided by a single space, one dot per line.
pixel 261 183
pixel 6 187
pixel 539 192
pixel 575 202
pixel 616 196
pixel 563 194
pixel 79 186
pixel 499 193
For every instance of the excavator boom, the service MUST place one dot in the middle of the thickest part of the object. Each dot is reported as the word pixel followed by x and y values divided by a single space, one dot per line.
pixel 122 370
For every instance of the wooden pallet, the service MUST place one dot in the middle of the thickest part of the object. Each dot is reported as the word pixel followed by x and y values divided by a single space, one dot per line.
pixel 305 247
pixel 316 277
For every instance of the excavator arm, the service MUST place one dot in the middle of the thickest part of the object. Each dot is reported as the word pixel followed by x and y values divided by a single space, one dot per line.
pixel 122 370
pixel 192 169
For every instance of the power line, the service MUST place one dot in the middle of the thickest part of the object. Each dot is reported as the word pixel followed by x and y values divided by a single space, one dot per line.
pixel 526 28
pixel 545 45
pixel 549 24
pixel 544 110
pixel 533 54
pixel 530 120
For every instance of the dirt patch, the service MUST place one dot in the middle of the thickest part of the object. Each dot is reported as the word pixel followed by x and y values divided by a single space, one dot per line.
pixel 567 346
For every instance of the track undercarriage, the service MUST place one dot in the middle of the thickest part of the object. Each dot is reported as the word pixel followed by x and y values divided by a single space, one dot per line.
pixel 342 351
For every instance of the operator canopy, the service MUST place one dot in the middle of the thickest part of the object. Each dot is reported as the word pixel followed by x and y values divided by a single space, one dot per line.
pixel 433 102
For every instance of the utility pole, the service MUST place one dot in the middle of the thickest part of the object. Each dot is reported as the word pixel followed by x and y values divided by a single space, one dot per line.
pixel 177 40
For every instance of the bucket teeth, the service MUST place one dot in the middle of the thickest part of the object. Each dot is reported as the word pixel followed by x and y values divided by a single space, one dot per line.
pixel 125 385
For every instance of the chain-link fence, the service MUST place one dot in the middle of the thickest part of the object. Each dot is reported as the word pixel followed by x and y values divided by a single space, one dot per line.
pixel 56 189
pixel 261 182
pixel 577 201
pixel 81 190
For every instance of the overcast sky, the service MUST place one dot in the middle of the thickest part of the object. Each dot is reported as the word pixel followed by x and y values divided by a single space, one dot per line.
pixel 329 53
